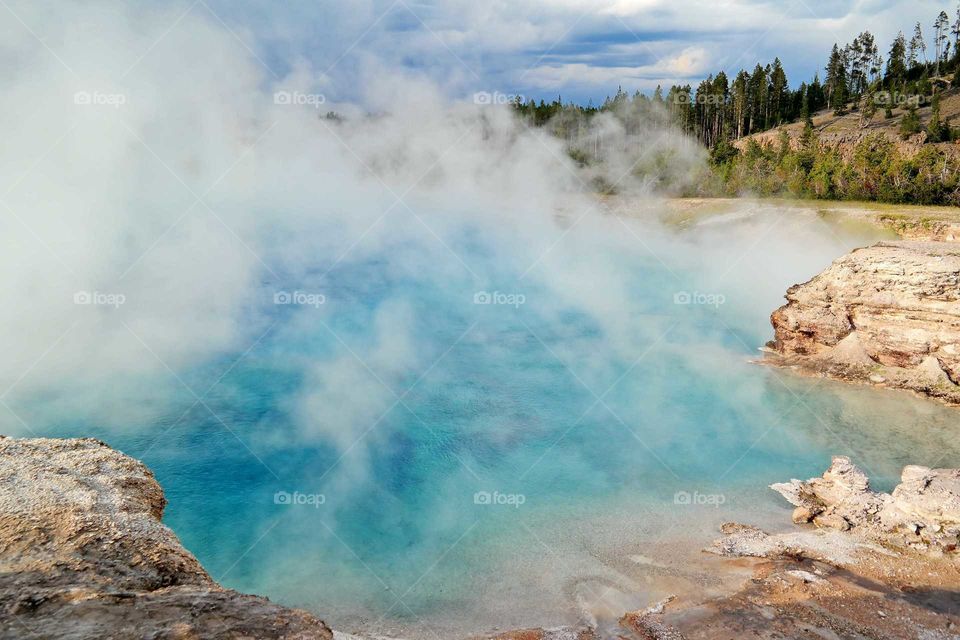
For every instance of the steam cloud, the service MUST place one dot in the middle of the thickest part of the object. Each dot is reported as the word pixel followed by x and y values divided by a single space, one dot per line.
pixel 154 174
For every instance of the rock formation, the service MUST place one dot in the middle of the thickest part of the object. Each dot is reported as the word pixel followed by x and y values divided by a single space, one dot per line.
pixel 83 555
pixel 922 512
pixel 876 565
pixel 887 314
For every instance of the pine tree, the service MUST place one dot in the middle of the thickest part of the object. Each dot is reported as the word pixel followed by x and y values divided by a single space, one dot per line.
pixel 815 94
pixel 855 55
pixel 778 93
pixel 917 45
pixel 940 27
pixel 955 30
pixel 897 63
pixel 805 107
pixel 910 124
pixel 757 92
pixel 832 69
pixel 739 103
pixel 837 81
pixel 720 92
pixel 937 130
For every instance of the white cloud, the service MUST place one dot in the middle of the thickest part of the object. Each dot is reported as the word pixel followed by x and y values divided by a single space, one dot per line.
pixel 689 62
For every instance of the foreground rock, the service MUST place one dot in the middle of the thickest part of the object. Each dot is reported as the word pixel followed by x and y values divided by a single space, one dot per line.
pixel 83 554
pixel 876 565
pixel 886 315
pixel 923 512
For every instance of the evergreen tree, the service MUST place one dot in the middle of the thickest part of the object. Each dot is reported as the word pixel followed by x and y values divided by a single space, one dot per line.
pixel 855 57
pixel 805 108
pixel 832 70
pixel 837 81
pixel 940 27
pixel 778 93
pixel 816 98
pixel 917 45
pixel 757 92
pixel 910 124
pixel 739 103
pixel 897 63
pixel 955 30
pixel 868 109
pixel 937 129
pixel 721 94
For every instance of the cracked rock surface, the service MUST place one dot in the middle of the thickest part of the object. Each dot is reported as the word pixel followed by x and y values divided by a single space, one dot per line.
pixel 84 555
pixel 886 315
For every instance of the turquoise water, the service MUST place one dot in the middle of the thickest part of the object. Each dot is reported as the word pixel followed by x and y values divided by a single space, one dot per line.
pixel 465 466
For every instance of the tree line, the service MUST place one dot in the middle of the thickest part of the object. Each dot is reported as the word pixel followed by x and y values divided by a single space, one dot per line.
pixel 857 76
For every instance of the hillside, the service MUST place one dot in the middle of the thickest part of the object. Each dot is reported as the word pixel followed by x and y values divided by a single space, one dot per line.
pixel 844 132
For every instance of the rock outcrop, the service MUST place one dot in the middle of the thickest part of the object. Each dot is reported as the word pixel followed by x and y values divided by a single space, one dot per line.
pixel 876 565
pixel 886 315
pixel 83 555
pixel 922 512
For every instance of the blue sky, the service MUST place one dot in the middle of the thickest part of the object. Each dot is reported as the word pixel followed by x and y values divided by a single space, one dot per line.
pixel 580 49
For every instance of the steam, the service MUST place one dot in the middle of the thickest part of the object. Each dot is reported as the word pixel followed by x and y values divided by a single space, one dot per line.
pixel 152 173
pixel 155 174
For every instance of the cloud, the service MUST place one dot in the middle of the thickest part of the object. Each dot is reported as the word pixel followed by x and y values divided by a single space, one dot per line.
pixel 688 63
pixel 467 46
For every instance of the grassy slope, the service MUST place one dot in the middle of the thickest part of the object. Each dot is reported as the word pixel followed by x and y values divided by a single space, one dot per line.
pixel 846 130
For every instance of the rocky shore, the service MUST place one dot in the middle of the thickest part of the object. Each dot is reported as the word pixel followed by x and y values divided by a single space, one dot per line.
pixel 83 555
pixel 885 315
pixel 863 564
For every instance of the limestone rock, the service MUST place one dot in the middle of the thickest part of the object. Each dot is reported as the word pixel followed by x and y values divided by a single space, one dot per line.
pixel 838 500
pixel 922 511
pixel 83 555
pixel 926 506
pixel 889 314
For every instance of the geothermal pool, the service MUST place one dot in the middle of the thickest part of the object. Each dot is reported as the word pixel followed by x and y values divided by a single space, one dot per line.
pixel 455 437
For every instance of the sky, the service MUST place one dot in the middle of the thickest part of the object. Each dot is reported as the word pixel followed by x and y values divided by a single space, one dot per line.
pixel 578 49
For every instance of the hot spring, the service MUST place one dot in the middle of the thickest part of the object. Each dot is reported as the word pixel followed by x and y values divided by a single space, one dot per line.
pixel 401 367
pixel 476 436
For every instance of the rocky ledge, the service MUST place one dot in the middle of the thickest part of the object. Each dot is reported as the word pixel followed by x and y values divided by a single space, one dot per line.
pixel 885 315
pixel 873 565
pixel 83 555
pixel 921 514
pixel 863 564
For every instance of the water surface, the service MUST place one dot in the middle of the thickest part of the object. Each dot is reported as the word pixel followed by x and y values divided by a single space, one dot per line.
pixel 494 436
